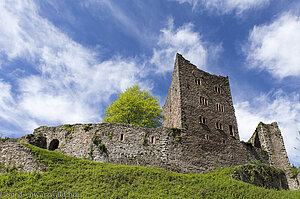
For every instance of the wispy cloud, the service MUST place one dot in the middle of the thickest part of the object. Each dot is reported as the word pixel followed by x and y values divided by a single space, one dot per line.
pixel 274 106
pixel 275 47
pixel 130 25
pixel 227 6
pixel 70 83
pixel 182 40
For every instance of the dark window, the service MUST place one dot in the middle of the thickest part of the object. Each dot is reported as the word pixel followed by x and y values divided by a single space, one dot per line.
pixel 231 130
pixel 203 101
pixel 152 139
pixel 219 125
pixel 53 144
pixel 122 137
pixel 223 141
pixel 218 90
pixel 202 120
pixel 219 107
pixel 206 137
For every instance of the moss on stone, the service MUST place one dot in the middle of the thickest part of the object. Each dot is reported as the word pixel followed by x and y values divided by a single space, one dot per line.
pixel 97 141
pixel 145 139
pixel 87 127
pixel 294 171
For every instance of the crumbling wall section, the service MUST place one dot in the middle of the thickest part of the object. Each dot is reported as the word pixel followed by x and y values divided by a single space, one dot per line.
pixel 14 155
pixel 116 143
pixel 268 137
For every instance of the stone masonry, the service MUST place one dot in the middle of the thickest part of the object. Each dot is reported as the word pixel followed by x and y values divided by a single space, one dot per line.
pixel 269 138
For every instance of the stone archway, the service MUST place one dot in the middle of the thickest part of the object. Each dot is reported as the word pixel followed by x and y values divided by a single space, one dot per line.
pixel 53 144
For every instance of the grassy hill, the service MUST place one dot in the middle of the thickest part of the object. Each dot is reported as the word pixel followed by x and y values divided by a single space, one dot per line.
pixel 88 179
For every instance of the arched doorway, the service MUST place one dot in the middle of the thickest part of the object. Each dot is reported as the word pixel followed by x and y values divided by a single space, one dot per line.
pixel 53 144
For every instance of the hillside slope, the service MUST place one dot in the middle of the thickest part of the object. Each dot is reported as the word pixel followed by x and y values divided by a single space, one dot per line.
pixel 86 179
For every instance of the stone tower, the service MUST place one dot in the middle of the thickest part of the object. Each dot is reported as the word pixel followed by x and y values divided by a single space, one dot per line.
pixel 201 105
pixel 199 100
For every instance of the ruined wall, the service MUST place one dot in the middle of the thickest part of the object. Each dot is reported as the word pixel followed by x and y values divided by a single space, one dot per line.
pixel 13 154
pixel 166 148
pixel 114 143
pixel 255 154
pixel 269 138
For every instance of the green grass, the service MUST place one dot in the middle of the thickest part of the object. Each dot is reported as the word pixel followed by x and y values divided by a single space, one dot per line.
pixel 102 180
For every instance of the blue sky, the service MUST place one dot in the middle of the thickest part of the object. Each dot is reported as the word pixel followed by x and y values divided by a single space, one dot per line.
pixel 66 61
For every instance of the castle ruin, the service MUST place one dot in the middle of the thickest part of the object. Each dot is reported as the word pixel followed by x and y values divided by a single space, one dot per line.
pixel 199 133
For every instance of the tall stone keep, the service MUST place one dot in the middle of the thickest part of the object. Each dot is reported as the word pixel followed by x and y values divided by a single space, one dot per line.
pixel 201 105
pixel 198 100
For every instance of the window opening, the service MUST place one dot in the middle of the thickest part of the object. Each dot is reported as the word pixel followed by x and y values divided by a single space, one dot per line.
pixel 54 144
pixel 152 139
pixel 122 137
pixel 202 120
pixel 231 130
pixel 206 137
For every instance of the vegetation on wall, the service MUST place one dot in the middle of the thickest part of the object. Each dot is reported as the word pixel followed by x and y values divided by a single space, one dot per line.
pixel 176 133
pixel 87 179
pixel 260 174
pixel 294 171
pixel 70 129
pixel 145 139
pixel 135 107
pixel 87 127
pixel 97 141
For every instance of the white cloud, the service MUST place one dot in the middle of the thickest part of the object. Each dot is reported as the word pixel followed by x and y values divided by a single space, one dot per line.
pixel 227 6
pixel 275 47
pixel 70 82
pixel 276 106
pixel 182 40
pixel 125 19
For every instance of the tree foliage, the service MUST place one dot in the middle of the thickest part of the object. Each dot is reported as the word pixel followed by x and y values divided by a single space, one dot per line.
pixel 135 107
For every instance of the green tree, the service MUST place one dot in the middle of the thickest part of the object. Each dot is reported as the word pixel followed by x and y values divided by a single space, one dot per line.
pixel 135 107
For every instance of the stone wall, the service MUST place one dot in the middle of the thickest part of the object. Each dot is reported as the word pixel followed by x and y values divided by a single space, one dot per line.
pixel 15 155
pixel 114 143
pixel 269 138
pixel 166 148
